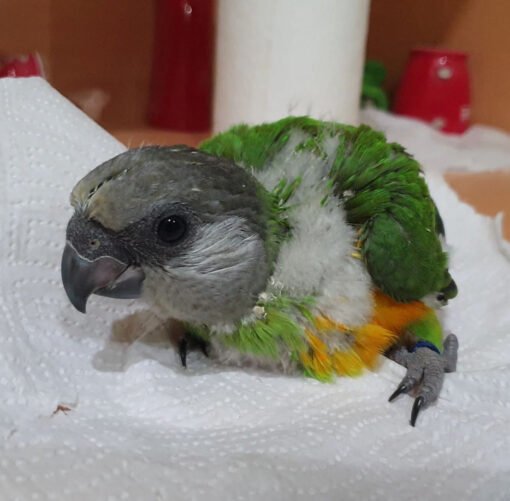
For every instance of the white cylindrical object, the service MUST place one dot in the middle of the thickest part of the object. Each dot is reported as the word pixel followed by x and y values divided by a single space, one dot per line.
pixel 289 57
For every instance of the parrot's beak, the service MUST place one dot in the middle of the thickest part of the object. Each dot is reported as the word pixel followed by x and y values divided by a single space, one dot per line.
pixel 105 276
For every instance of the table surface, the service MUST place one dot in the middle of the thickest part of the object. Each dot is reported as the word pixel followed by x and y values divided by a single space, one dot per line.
pixel 487 192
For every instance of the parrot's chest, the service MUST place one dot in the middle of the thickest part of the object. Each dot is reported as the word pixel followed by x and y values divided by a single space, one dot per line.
pixel 327 347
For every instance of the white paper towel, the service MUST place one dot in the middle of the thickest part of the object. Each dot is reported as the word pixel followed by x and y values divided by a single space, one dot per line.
pixel 481 148
pixel 281 57
pixel 142 428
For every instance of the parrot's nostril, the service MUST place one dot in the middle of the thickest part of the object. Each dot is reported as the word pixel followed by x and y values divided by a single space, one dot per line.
pixel 94 244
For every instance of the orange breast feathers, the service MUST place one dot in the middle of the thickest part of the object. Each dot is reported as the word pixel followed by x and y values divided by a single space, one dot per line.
pixel 395 316
pixel 334 348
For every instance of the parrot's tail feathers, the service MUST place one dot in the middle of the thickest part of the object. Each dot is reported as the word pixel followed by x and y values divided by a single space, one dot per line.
pixel 449 291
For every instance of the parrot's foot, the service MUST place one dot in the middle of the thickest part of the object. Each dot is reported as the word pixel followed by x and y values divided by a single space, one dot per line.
pixel 189 342
pixel 425 373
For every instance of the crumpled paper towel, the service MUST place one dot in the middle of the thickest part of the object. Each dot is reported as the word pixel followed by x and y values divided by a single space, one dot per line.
pixel 141 427
pixel 480 148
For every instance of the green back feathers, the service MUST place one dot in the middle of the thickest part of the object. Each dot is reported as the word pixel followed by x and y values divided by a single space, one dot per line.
pixel 249 146
pixel 255 146
pixel 381 188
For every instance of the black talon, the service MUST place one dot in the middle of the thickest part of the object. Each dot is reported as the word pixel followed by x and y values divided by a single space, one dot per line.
pixel 417 406
pixel 183 350
pixel 402 388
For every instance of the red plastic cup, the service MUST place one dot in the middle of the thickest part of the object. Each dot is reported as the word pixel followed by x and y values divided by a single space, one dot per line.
pixel 182 72
pixel 435 88
pixel 27 65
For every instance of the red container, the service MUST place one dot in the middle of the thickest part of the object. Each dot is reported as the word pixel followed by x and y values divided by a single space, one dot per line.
pixel 435 88
pixel 27 65
pixel 182 73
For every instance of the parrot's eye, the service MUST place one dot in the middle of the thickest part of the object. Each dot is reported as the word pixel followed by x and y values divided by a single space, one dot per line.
pixel 171 229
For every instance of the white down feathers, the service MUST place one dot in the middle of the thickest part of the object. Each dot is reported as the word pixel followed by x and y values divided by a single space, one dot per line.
pixel 317 260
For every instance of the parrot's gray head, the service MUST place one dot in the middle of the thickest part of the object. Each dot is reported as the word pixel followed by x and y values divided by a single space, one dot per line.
pixel 184 229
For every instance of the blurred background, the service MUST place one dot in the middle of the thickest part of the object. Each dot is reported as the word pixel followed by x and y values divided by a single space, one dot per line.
pixel 100 53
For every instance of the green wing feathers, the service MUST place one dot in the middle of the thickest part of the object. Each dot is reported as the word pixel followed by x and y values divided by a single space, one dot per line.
pixel 386 196
pixel 382 190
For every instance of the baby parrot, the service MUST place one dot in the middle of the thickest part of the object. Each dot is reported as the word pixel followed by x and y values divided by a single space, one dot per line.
pixel 299 245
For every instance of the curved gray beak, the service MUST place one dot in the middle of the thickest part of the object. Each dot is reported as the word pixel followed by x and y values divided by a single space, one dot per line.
pixel 105 276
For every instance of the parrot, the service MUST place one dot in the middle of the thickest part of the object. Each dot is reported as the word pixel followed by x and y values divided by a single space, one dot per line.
pixel 300 245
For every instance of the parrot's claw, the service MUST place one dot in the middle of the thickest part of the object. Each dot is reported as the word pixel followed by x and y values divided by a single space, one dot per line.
pixel 425 373
pixel 189 342
pixel 402 388
pixel 418 404
pixel 183 351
